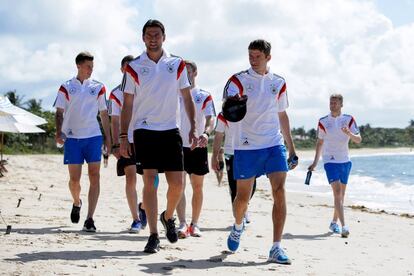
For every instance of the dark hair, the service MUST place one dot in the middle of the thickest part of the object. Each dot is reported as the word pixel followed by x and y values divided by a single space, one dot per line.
pixel 192 64
pixel 261 45
pixel 153 23
pixel 82 56
pixel 126 59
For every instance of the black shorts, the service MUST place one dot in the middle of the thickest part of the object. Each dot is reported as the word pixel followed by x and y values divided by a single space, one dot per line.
pixel 123 162
pixel 195 161
pixel 159 150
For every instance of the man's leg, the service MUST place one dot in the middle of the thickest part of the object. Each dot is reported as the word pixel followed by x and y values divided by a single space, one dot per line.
pixel 338 203
pixel 197 200
pixel 75 171
pixel 182 204
pixel 244 191
pixel 150 199
pixel 174 193
pixel 277 180
pixel 94 187
pixel 130 190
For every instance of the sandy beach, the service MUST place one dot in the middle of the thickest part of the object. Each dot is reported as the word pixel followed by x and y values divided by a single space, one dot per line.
pixel 43 241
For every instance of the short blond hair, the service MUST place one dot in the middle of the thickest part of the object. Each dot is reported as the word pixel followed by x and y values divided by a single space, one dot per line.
pixel 337 96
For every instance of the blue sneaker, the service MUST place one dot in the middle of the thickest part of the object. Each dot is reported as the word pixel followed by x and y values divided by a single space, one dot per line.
pixel 233 240
pixel 135 227
pixel 334 227
pixel 142 216
pixel 277 255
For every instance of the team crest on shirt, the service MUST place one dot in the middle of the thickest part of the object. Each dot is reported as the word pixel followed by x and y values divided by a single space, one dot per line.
pixel 273 88
pixel 249 87
pixel 93 91
pixel 170 68
pixel 144 71
pixel 198 99
pixel 72 90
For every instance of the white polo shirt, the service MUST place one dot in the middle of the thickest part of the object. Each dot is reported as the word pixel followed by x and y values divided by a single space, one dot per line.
pixel 223 127
pixel 335 142
pixel 267 97
pixel 116 102
pixel 156 89
pixel 204 107
pixel 81 103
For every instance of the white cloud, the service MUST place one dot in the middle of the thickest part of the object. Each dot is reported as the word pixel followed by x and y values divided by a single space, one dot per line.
pixel 318 46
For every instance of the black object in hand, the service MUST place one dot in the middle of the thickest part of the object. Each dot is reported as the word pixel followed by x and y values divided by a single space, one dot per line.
pixel 292 161
pixel 308 177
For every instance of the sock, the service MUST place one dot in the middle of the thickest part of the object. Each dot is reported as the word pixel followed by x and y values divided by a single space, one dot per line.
pixel 238 227
pixel 276 244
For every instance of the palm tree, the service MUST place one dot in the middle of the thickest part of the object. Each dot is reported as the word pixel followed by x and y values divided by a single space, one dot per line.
pixel 15 99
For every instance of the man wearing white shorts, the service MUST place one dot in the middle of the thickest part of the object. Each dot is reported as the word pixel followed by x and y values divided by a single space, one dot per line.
pixel 78 102
pixel 334 132
pixel 259 142
pixel 152 85
pixel 196 155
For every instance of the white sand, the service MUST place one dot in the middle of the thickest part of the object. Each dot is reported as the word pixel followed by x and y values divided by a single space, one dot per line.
pixel 43 240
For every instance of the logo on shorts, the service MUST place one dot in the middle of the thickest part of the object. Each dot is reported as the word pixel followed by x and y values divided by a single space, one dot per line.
pixel 170 68
pixel 249 87
pixel 273 88
pixel 144 71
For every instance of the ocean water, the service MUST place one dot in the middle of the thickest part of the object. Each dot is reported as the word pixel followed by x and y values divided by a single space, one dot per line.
pixel 381 181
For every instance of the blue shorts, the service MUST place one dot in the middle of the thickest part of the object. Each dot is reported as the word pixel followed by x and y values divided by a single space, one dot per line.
pixel 78 150
pixel 254 163
pixel 338 171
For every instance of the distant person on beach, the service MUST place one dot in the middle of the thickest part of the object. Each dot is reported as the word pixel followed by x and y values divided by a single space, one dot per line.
pixel 78 102
pixel 334 132
pixel 259 142
pixel 221 132
pixel 195 155
pixel 126 166
pixel 152 85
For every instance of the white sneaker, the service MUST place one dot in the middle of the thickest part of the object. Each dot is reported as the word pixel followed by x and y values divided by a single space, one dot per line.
pixel 247 217
pixel 183 231
pixel 195 230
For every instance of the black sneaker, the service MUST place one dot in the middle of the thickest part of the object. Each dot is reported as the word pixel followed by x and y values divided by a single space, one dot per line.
pixel 153 244
pixel 75 214
pixel 169 226
pixel 89 225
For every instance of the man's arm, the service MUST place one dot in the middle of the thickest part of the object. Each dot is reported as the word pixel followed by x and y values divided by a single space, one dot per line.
pixel 218 140
pixel 115 135
pixel 190 110
pixel 318 151
pixel 356 138
pixel 208 128
pixel 58 122
pixel 107 132
pixel 285 128
pixel 126 115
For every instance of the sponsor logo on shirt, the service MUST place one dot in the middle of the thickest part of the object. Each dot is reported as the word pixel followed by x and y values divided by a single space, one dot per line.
pixel 249 87
pixel 144 71
pixel 72 90
pixel 245 141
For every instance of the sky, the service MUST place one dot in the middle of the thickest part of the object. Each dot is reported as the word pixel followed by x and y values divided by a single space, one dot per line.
pixel 362 49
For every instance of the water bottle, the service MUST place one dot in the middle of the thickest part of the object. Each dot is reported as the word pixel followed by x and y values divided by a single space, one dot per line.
pixel 308 177
pixel 292 161
pixel 105 156
pixel 59 145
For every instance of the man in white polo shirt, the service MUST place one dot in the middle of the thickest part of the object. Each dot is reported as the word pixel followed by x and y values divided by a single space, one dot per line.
pixel 258 142
pixel 126 166
pixel 334 132
pixel 196 155
pixel 152 84
pixel 77 104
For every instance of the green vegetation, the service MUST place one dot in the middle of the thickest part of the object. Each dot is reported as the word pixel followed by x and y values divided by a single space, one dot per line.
pixel 45 142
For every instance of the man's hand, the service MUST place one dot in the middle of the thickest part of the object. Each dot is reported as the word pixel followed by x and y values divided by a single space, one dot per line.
pixel 59 139
pixel 312 166
pixel 192 138
pixel 125 148
pixel 203 141
pixel 116 153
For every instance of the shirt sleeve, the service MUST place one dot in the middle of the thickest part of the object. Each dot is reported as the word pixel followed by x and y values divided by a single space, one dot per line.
pixel 282 98
pixel 62 98
pixel 321 131
pixel 233 87
pixel 208 107
pixel 221 123
pixel 102 99
pixel 182 76
pixel 115 104
pixel 353 127
pixel 130 80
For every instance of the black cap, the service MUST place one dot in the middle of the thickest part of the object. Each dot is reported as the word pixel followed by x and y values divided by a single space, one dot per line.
pixel 235 108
